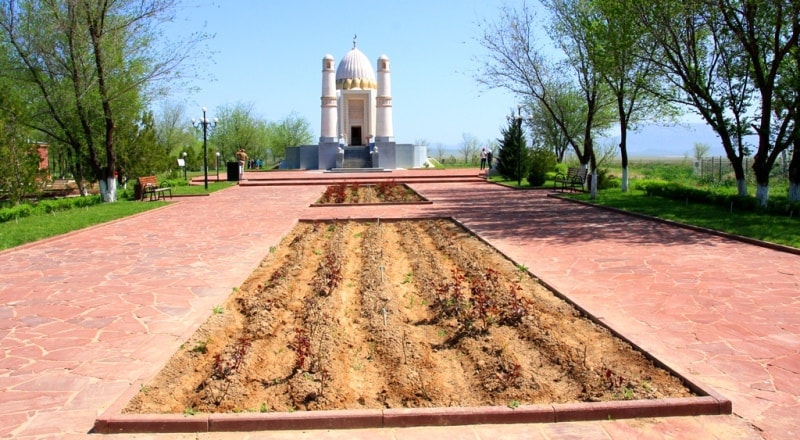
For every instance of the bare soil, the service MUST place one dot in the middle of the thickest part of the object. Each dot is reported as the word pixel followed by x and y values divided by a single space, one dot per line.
pixel 354 315
pixel 354 193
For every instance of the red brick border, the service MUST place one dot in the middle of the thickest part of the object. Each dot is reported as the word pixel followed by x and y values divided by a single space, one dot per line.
pixel 409 417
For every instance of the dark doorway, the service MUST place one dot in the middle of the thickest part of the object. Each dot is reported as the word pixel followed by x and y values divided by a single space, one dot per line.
pixel 355 135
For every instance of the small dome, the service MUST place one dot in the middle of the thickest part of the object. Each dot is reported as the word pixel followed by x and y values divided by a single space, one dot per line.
pixel 355 72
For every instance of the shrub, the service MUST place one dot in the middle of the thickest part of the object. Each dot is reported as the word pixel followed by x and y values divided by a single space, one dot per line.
pixel 15 212
pixel 679 192
pixel 542 161
pixel 47 207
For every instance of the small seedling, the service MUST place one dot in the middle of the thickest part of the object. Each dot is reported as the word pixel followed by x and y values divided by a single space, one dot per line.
pixel 409 277
pixel 272 249
pixel 189 411
pixel 514 404
pixel 218 310
pixel 627 393
pixel 523 270
pixel 263 408
pixel 200 347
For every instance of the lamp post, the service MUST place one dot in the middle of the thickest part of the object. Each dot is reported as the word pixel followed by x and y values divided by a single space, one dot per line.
pixel 206 124
pixel 184 165
pixel 217 166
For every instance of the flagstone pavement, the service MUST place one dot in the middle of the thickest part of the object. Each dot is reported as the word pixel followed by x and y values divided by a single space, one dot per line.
pixel 88 315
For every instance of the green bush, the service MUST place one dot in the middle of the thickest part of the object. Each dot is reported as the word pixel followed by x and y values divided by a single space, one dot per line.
pixel 15 212
pixel 676 191
pixel 542 163
pixel 173 182
pixel 47 207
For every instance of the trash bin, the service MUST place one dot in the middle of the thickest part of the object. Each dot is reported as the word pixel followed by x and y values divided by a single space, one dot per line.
pixel 233 171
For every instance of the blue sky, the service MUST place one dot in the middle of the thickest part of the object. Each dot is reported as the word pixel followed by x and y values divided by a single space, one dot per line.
pixel 269 54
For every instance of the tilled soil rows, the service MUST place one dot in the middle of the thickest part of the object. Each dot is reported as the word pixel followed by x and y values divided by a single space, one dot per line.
pixel 350 315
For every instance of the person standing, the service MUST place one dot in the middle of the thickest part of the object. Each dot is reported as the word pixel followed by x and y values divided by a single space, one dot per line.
pixel 241 156
pixel 489 159
pixel 483 158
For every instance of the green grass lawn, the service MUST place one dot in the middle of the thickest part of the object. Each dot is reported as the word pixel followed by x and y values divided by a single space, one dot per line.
pixel 200 189
pixel 37 227
pixel 783 230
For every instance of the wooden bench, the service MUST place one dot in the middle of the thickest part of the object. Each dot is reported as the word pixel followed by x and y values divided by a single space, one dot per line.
pixel 59 187
pixel 150 186
pixel 574 179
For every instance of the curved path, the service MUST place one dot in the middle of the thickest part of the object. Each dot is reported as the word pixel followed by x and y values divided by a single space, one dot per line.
pixel 86 315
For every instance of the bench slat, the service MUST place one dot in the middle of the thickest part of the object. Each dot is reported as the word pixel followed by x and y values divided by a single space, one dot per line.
pixel 149 185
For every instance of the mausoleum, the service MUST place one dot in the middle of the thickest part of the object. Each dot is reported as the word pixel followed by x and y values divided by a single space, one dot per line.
pixel 356 130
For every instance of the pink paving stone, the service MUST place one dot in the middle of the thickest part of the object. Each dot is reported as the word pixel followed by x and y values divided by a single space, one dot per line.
pixel 575 430
pixel 544 243
pixel 789 363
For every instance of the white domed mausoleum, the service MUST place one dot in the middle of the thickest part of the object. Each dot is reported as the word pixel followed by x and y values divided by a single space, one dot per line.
pixel 356 129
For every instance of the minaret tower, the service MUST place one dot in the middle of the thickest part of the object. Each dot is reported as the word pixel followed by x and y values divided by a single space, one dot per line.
pixel 384 129
pixel 328 131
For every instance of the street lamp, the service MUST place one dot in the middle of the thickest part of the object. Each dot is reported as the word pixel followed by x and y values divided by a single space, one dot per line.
pixel 518 118
pixel 217 166
pixel 206 124
pixel 184 165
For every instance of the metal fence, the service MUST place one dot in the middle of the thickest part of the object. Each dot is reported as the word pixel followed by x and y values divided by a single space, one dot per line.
pixel 719 169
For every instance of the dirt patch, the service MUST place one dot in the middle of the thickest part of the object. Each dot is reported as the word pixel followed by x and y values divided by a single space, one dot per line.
pixel 387 191
pixel 353 315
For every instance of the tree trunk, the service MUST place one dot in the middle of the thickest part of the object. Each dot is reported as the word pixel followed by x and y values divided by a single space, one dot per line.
pixel 794 173
pixel 108 189
pixel 741 187
pixel 593 186
pixel 794 192
pixel 762 193
pixel 624 179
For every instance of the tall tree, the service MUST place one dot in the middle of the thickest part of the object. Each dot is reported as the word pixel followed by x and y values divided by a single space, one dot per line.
pixel 696 57
pixel 515 63
pixel 20 176
pixel 513 158
pixel 469 148
pixel 764 33
pixel 567 103
pixel 619 48
pixel 87 63
pixel 291 131
pixel 239 127
pixel 569 31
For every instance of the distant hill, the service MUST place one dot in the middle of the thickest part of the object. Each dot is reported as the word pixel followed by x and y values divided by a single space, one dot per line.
pixel 669 141
pixel 649 141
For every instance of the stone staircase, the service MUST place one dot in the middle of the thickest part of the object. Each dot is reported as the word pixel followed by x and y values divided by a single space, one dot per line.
pixel 357 157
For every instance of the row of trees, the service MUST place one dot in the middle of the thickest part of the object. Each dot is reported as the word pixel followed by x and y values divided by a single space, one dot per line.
pixel 736 63
pixel 81 76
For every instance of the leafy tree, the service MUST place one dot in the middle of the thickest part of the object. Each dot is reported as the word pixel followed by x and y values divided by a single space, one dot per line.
pixel 239 127
pixel 139 151
pixel 513 159
pixel 292 131
pixel 19 163
pixel 620 49
pixel 546 130
pixel 515 63
pixel 85 65
pixel 469 148
pixel 174 133
pixel 735 68
pixel 764 33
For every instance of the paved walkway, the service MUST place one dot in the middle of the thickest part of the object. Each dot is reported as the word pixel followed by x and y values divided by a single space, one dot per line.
pixel 85 316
